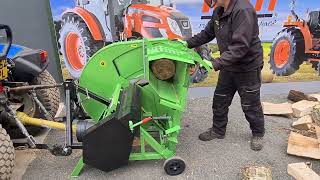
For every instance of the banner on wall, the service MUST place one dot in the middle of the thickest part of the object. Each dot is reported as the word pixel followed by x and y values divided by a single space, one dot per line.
pixel 269 26
pixel 85 26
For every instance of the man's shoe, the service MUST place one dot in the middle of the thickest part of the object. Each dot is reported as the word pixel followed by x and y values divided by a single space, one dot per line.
pixel 256 143
pixel 210 135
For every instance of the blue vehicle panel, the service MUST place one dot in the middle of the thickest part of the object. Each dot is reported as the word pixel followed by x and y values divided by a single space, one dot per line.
pixel 13 51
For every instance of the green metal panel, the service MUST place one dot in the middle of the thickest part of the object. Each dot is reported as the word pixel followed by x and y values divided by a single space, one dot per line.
pixel 112 68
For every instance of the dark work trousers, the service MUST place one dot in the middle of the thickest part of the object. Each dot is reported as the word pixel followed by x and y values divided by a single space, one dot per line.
pixel 248 85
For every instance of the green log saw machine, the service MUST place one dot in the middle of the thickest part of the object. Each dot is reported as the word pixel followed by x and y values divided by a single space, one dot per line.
pixel 121 98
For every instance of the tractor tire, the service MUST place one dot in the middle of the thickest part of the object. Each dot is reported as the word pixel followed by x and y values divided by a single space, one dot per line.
pixel 50 98
pixel 7 155
pixel 77 44
pixel 287 52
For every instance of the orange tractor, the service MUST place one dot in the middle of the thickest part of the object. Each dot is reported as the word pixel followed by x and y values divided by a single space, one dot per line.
pixel 93 24
pixel 297 43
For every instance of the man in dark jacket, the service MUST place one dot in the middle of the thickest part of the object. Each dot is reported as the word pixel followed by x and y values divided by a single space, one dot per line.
pixel 234 24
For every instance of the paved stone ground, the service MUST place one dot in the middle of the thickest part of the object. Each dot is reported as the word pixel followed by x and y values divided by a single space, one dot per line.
pixel 218 160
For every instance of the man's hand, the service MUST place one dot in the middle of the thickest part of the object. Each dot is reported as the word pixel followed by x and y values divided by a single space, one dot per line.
pixel 205 52
pixel 216 64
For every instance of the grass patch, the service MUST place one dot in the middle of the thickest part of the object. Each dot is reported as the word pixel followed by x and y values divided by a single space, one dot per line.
pixel 305 73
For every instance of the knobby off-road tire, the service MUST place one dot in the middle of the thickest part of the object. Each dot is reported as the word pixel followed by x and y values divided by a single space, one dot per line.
pixel 7 155
pixel 74 26
pixel 50 98
pixel 287 52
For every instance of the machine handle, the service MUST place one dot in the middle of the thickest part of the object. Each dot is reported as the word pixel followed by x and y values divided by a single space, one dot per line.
pixel 145 120
pixel 6 44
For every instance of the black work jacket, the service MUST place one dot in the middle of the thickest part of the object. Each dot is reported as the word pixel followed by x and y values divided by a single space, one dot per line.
pixel 237 34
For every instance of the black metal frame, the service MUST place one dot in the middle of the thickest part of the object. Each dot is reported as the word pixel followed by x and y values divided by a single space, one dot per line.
pixel 71 90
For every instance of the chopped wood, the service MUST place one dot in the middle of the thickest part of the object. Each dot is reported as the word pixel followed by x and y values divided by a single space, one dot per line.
pixel 301 171
pixel 303 108
pixel 257 173
pixel 315 96
pixel 277 109
pixel 297 96
pixel 300 145
pixel 303 123
pixel 163 69
pixel 317 128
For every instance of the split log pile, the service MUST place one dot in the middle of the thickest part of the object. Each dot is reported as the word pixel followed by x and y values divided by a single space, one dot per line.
pixel 302 171
pixel 304 136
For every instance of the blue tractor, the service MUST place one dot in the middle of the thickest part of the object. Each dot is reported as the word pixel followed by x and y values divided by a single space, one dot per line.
pixel 22 72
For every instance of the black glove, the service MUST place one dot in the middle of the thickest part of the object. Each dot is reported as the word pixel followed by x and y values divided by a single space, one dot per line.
pixel 205 52
pixel 216 64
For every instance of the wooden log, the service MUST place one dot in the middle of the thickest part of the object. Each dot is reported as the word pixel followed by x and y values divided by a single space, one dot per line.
pixel 303 123
pixel 297 96
pixel 277 109
pixel 317 128
pixel 257 173
pixel 163 69
pixel 315 96
pixel 303 108
pixel 300 145
pixel 301 171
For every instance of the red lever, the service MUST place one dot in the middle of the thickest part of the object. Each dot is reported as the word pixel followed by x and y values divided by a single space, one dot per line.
pixel 145 120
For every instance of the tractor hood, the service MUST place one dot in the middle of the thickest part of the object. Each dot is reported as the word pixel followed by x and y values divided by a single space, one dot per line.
pixel 155 9
pixel 175 23
pixel 14 50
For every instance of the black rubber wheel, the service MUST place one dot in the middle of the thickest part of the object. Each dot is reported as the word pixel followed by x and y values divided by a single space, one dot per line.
pixel 287 52
pixel 7 155
pixel 72 24
pixel 174 166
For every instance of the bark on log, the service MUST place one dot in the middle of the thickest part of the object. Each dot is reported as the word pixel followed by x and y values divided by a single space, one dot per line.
pixel 297 96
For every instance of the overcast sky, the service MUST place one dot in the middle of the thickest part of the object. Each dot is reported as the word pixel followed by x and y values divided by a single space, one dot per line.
pixel 269 27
